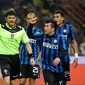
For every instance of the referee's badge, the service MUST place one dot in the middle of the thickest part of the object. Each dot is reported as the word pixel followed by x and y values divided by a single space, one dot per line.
pixel 12 35
pixel 55 40
pixel 64 31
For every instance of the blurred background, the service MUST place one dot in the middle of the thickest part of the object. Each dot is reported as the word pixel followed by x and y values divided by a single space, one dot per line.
pixel 74 14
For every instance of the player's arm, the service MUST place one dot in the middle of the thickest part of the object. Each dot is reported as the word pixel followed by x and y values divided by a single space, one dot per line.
pixel 28 48
pixel 75 49
pixel 39 56
pixel 25 39
pixel 58 54
pixel 32 62
pixel 74 46
pixel 73 40
pixel 62 50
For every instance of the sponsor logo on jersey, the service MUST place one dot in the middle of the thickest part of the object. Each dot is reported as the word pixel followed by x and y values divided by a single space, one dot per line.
pixel 12 35
pixel 33 41
pixel 48 45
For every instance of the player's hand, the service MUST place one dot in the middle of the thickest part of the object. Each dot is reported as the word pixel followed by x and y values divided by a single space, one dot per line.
pixel 75 62
pixel 32 62
pixel 56 61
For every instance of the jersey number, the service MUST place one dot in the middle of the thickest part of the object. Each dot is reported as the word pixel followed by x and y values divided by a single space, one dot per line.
pixel 35 70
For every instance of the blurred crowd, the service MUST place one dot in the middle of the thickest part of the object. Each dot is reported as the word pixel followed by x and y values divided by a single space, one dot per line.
pixel 44 9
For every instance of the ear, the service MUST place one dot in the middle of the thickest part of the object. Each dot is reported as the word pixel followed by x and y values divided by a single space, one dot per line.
pixel 5 18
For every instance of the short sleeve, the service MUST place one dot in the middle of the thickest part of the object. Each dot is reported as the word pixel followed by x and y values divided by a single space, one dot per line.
pixel 25 38
pixel 72 33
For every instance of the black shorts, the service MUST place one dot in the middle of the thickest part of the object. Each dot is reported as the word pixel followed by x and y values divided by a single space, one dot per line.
pixel 34 71
pixel 10 66
pixel 66 67
pixel 24 71
pixel 52 76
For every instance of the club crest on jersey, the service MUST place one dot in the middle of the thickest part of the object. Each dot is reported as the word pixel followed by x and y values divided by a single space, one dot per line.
pixel 12 35
pixel 55 40
pixel 5 71
pixel 64 30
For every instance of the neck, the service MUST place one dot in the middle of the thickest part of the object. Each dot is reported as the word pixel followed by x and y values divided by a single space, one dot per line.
pixel 60 25
pixel 31 26
pixel 10 26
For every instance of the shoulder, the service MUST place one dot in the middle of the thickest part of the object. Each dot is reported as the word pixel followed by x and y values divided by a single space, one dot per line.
pixel 38 31
pixel 20 27
pixel 58 36
pixel 69 25
pixel 2 25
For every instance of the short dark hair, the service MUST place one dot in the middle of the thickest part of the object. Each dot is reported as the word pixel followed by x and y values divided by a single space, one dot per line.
pixel 10 12
pixel 59 11
pixel 53 23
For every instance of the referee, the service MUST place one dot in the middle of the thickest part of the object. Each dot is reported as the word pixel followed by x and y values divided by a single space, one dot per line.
pixel 10 37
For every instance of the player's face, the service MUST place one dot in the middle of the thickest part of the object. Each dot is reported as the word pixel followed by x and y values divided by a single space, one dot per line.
pixel 58 19
pixel 47 28
pixel 11 20
pixel 31 18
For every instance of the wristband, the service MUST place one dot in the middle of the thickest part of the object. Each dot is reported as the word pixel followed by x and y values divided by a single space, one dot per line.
pixel 76 55
pixel 31 55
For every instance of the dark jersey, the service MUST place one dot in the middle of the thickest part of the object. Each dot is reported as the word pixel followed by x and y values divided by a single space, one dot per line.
pixel 50 51
pixel 67 32
pixel 35 44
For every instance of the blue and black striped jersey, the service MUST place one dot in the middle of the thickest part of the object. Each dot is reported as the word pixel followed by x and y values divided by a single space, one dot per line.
pixel 50 51
pixel 68 33
pixel 35 43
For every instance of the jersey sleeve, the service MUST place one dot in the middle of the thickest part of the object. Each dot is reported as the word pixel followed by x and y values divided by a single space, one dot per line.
pixel 72 33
